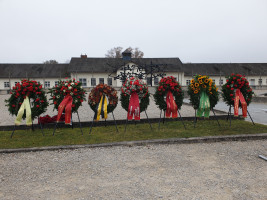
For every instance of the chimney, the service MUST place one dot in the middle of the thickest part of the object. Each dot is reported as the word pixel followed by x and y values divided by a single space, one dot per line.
pixel 83 56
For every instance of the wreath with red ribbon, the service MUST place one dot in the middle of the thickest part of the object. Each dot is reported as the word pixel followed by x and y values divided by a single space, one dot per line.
pixel 96 94
pixel 31 89
pixel 67 88
pixel 233 83
pixel 134 85
pixel 167 84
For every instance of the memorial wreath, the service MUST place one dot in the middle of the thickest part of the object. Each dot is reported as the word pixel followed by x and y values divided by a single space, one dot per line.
pixel 170 89
pixel 237 89
pixel 27 95
pixel 98 102
pixel 203 94
pixel 132 91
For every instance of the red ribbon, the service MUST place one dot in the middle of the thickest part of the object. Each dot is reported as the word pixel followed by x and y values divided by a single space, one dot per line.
pixel 171 106
pixel 65 104
pixel 134 107
pixel 239 97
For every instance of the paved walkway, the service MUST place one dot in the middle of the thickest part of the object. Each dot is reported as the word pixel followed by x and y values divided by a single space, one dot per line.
pixel 229 170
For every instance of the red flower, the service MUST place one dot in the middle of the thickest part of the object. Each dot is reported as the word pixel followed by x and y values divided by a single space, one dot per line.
pixel 228 86
pixel 13 106
pixel 55 102
pixel 232 88
pixel 81 100
pixel 40 87
pixel 231 95
pixel 37 106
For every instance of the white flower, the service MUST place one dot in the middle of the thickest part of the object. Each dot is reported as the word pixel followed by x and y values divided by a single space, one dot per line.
pixel 66 84
pixel 76 100
pixel 58 96
pixel 70 87
pixel 64 90
pixel 71 93
pixel 81 87
pixel 72 83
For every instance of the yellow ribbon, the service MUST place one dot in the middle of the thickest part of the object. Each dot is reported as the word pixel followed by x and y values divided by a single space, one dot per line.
pixel 102 108
pixel 24 106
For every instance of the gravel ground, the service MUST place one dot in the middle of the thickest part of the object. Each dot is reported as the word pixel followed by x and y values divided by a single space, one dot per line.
pixel 86 114
pixel 230 170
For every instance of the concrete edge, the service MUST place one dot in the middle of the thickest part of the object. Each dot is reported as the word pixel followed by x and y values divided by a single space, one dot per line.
pixel 207 139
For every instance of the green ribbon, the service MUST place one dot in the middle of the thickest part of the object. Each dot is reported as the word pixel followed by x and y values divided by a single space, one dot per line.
pixel 24 106
pixel 204 105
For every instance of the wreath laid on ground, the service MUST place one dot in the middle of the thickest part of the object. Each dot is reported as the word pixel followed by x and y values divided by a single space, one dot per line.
pixel 96 94
pixel 168 84
pixel 134 85
pixel 201 84
pixel 36 95
pixel 233 82
pixel 65 88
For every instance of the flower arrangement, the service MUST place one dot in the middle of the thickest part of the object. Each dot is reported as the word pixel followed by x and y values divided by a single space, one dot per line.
pixel 98 91
pixel 202 84
pixel 134 85
pixel 34 91
pixel 168 84
pixel 68 87
pixel 233 82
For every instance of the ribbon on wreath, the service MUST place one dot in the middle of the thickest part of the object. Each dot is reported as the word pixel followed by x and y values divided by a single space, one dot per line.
pixel 134 107
pixel 24 106
pixel 65 104
pixel 171 106
pixel 101 109
pixel 239 97
pixel 204 105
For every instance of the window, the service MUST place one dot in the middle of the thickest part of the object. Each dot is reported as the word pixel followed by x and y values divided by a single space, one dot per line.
pixel 93 82
pixel 83 81
pixel 56 83
pixel 213 80
pixel 188 82
pixel 221 81
pixel 47 84
pixel 148 80
pixel 109 81
pixel 6 84
pixel 260 81
pixel 156 81
pixel 101 80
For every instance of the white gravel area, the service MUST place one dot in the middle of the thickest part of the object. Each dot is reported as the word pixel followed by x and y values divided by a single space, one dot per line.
pixel 86 114
pixel 229 170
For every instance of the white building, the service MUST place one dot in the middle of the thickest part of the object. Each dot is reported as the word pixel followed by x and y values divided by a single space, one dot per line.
pixel 92 71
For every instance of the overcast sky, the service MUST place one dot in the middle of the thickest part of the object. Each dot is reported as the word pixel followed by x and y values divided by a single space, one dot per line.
pixel 196 31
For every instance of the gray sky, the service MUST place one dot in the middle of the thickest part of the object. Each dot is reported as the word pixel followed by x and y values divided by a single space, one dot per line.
pixel 33 31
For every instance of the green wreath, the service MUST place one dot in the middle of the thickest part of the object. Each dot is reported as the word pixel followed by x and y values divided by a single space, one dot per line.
pixel 236 81
pixel 68 87
pixel 96 93
pixel 166 84
pixel 35 93
pixel 202 84
pixel 138 86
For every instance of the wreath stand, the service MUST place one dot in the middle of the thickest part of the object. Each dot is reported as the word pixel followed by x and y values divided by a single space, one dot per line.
pixel 105 123
pixel 229 116
pixel 126 123
pixel 195 121
pixel 14 128
pixel 180 116
pixel 55 127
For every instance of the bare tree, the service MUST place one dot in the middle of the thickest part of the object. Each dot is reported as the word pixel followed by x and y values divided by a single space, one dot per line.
pixel 116 52
pixel 50 62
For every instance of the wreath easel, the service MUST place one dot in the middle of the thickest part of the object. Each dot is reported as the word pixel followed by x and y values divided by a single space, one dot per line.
pixel 27 95
pixel 67 97
pixel 237 90
pixel 103 99
pixel 204 96
pixel 134 99
pixel 169 98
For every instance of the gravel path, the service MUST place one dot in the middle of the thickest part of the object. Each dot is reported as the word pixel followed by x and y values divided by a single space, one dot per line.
pixel 229 170
pixel 86 114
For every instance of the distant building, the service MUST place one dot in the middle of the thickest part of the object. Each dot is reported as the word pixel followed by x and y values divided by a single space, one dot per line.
pixel 92 71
